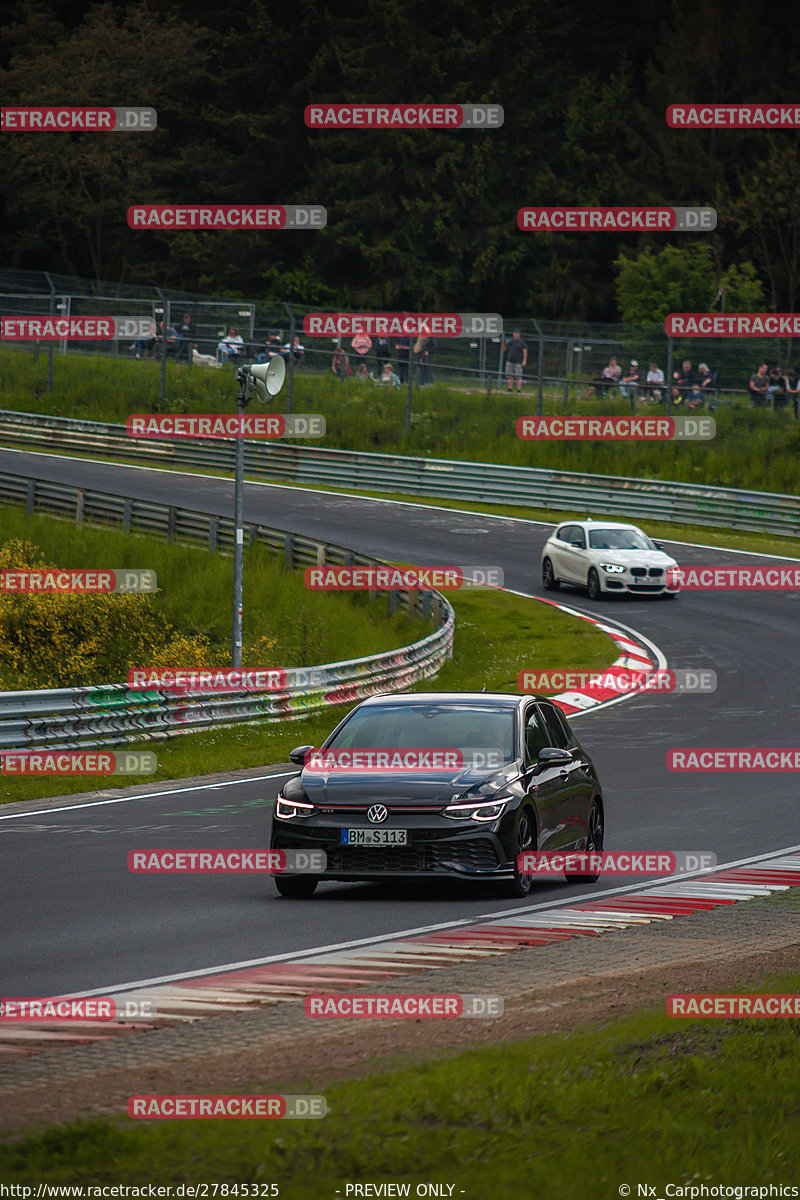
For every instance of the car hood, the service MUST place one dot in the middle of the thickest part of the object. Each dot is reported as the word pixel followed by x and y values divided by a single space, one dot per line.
pixel 341 787
pixel 634 558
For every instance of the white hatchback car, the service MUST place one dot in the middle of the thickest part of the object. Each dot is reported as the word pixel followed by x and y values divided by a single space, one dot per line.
pixel 606 556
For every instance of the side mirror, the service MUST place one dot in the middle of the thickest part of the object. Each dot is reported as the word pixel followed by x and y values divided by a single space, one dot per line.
pixel 552 756
pixel 298 756
pixel 658 545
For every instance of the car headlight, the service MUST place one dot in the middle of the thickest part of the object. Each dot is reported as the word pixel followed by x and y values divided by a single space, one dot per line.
pixel 475 810
pixel 613 568
pixel 284 809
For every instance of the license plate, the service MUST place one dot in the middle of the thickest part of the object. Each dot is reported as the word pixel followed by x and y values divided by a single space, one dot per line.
pixel 374 837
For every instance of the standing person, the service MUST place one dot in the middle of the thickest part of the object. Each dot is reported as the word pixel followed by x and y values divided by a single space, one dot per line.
pixel 340 363
pixel 186 335
pixel 382 352
pixel 708 384
pixel 516 359
pixel 427 355
pixel 403 347
pixel 792 387
pixel 757 387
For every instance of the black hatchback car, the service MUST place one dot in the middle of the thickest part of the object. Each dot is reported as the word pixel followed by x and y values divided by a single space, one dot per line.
pixel 521 781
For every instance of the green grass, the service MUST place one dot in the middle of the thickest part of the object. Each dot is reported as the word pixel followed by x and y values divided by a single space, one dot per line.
pixel 645 1099
pixel 497 635
pixel 753 449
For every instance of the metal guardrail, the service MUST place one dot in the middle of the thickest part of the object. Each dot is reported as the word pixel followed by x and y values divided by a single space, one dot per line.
pixel 114 714
pixel 491 483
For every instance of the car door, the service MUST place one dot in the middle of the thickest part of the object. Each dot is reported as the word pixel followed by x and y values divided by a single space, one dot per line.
pixel 573 557
pixel 578 777
pixel 547 787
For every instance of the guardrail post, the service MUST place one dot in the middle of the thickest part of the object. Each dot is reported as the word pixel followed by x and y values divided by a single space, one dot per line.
pixel 253 536
pixel 30 500
pixel 127 513
pixel 213 531
pixel 80 501
pixel 321 554
pixel 288 551
pixel 393 602
pixel 171 518
pixel 426 606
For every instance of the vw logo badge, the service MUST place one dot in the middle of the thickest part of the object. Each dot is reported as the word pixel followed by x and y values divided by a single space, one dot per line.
pixel 377 813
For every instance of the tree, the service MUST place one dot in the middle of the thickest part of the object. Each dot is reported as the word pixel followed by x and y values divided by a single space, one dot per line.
pixel 652 283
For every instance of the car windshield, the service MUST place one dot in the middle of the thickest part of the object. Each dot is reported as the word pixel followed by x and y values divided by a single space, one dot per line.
pixel 430 727
pixel 619 539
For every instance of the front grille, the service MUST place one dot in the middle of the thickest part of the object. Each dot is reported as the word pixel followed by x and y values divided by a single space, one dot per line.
pixel 655 572
pixel 478 855
pixel 638 571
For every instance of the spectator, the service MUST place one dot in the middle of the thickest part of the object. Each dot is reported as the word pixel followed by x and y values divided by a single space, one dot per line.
pixel 388 377
pixel 144 346
pixel 688 382
pixel 230 346
pixel 424 353
pixel 609 378
pixel 776 388
pixel 655 381
pixel 792 388
pixel 382 352
pixel 629 383
pixel 757 387
pixel 516 359
pixel 708 385
pixel 298 351
pixel 340 363
pixel 403 347
pixel 362 374
pixel 185 339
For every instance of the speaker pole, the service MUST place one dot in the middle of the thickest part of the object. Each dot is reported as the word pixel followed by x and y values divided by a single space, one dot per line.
pixel 242 378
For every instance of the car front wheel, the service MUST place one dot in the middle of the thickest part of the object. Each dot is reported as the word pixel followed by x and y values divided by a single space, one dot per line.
pixel 593 585
pixel 524 840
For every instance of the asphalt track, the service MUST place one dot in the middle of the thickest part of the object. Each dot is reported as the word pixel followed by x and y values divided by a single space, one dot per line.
pixel 74 918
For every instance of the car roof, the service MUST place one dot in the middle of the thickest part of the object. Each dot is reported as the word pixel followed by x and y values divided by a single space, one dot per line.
pixel 591 524
pixel 491 699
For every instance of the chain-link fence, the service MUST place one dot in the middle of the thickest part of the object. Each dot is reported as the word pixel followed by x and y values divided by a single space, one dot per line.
pixel 559 361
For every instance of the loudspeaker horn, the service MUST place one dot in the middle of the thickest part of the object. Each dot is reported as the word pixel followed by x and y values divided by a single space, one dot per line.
pixel 268 377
